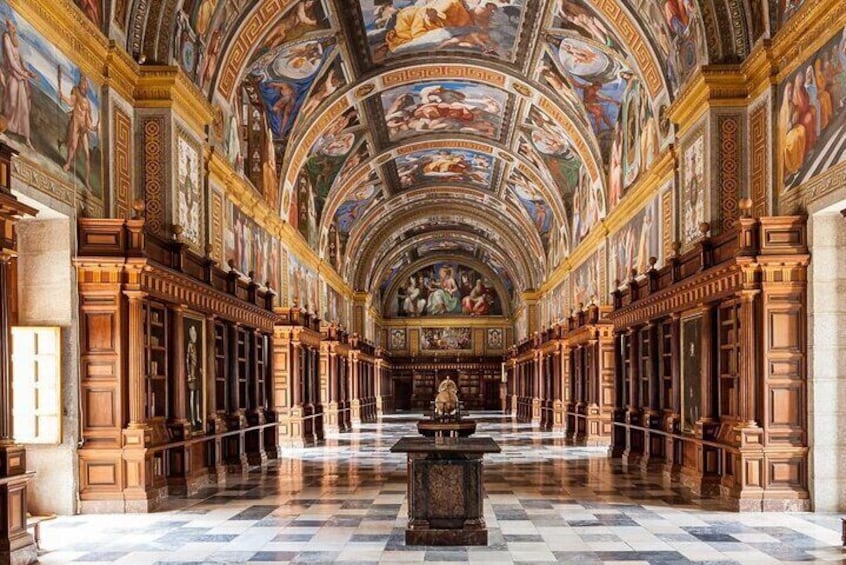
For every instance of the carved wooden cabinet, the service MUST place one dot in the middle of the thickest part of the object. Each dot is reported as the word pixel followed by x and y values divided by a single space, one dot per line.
pixel 711 357
pixel 175 369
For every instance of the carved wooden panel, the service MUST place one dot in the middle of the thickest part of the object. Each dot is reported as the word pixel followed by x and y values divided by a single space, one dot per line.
pixel 758 159
pixel 122 163
pixel 100 332
pixel 100 474
pixel 100 408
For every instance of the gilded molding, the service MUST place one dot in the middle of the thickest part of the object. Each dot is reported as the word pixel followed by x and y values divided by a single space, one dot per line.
pixel 712 86
pixel 161 86
pixel 806 32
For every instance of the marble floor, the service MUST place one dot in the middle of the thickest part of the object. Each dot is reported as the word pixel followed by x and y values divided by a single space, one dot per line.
pixel 345 502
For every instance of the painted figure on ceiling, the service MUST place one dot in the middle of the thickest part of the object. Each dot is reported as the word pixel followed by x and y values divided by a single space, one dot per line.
pixel 414 22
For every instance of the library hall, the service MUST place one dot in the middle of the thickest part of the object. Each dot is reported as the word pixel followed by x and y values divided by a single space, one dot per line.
pixel 412 281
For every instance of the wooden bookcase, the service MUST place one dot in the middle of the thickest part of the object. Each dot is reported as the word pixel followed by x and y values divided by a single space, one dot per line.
pixel 729 360
pixel 241 376
pixel 156 382
pixel 665 366
pixel 221 368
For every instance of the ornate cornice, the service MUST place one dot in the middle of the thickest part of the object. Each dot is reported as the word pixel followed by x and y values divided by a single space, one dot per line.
pixel 163 86
pixel 806 32
pixel 121 73
pixel 712 86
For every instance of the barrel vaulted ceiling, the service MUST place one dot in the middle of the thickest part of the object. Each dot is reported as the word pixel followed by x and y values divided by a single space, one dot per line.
pixel 495 133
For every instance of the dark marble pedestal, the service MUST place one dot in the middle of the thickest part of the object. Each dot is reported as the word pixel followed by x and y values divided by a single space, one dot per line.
pixel 445 490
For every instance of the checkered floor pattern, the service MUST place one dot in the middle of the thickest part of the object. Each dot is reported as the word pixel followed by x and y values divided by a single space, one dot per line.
pixel 345 502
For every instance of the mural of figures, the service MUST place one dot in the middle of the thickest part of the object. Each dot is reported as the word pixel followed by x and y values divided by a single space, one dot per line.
pixel 397 339
pixel 601 82
pixel 532 200
pixel 333 305
pixel 359 156
pixel 812 120
pixel 444 165
pixel 51 111
pixel 635 144
pixel 561 162
pixel 693 190
pixel 303 286
pixel 398 27
pixel 252 249
pixel 204 25
pixel 551 75
pixel 579 17
pixel 283 77
pixel 443 107
pixel 588 206
pixel 193 334
pixel 318 174
pixel 355 205
pixel 446 289
pixel 677 28
pixel 189 191
pixel 446 339
pixel 324 87
pixel 585 279
pixel 633 245
pixel 239 240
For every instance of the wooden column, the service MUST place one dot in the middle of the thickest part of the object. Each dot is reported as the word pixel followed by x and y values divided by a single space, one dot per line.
pixel 377 383
pixel 329 370
pixel 559 409
pixel 536 394
pixel 287 386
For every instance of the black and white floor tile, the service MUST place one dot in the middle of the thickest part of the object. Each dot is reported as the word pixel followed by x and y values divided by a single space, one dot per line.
pixel 345 502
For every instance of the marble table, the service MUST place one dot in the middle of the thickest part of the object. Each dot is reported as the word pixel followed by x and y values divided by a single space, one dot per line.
pixel 445 489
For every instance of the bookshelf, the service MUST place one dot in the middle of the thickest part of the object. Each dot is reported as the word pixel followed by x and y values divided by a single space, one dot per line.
pixel 156 387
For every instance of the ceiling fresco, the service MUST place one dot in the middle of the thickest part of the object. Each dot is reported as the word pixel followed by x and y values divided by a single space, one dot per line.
pixel 397 28
pixel 443 107
pixel 497 131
